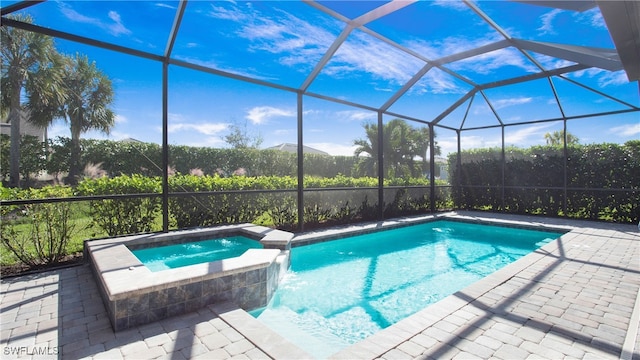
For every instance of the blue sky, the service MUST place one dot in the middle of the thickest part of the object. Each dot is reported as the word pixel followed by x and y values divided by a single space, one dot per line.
pixel 281 43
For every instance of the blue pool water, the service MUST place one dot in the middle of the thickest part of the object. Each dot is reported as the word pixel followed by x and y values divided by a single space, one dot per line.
pixel 190 253
pixel 340 292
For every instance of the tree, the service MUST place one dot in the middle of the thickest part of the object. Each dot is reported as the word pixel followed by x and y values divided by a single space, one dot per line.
pixel 239 137
pixel 402 145
pixel 34 158
pixel 26 56
pixel 88 93
pixel 423 147
pixel 557 138
pixel 368 164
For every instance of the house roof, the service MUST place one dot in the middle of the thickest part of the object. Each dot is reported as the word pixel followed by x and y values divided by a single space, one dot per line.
pixel 293 148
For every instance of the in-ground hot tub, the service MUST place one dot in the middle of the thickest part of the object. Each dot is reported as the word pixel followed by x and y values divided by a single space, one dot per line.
pixel 134 295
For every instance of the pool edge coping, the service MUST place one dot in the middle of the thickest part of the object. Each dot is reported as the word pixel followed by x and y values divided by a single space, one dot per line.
pixel 121 273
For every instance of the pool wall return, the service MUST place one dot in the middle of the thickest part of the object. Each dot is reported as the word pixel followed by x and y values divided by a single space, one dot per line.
pixel 134 295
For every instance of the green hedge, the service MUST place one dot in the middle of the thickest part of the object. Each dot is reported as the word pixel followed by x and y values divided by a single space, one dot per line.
pixel 215 200
pixel 133 157
pixel 227 208
pixel 534 179
pixel 350 199
pixel 123 216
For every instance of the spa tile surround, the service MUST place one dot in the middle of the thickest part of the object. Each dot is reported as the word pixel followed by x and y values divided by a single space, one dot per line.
pixel 133 295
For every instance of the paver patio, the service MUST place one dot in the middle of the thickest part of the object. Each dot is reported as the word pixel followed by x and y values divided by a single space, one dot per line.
pixel 577 297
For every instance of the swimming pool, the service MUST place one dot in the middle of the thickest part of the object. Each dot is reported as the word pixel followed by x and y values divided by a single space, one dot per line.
pixel 194 252
pixel 337 293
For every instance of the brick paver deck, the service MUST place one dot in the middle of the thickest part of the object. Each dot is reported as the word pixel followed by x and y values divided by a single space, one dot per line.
pixel 573 298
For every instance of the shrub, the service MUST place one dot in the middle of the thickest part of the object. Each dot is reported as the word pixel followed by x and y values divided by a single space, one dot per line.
pixel 226 200
pixel 602 181
pixel 123 216
pixel 37 234
pixel 32 160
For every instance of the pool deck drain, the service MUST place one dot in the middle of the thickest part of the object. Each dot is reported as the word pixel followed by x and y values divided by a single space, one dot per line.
pixel 577 297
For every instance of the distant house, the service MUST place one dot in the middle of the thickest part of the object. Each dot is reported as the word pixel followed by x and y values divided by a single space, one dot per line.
pixel 293 148
pixel 26 128
pixel 442 168
pixel 131 140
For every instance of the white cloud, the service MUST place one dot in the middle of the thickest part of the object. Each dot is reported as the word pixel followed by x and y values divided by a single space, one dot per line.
pixel 384 89
pixel 364 53
pixel 261 114
pixel 355 115
pixel 214 65
pixel 481 107
pixel 605 78
pixel 60 128
pixel 613 78
pixel 120 119
pixel 212 141
pixel 474 142
pixel 76 16
pixel 115 27
pixel 233 13
pixel 440 82
pixel 281 132
pixel 163 5
pixel 434 49
pixel 490 62
pixel 202 128
pixel 300 43
pixel 437 82
pixel 452 4
pixel 627 130
pixel 297 41
pixel 503 103
pixel 447 145
pixel 592 17
pixel 524 136
pixel 547 22
pixel 527 135
pixel 311 112
pixel 549 62
pixel 196 61
pixel 334 149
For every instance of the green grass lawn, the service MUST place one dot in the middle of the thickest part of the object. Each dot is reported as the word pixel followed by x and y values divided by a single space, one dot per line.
pixel 82 230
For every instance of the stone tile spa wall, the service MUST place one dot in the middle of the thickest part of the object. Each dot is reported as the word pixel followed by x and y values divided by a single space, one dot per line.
pixel 133 295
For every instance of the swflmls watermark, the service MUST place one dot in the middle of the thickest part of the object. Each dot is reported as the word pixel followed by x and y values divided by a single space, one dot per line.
pixel 30 351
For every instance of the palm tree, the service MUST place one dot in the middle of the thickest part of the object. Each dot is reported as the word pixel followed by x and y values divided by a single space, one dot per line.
pixel 24 55
pixel 423 144
pixel 368 164
pixel 557 138
pixel 89 93
pixel 402 144
pixel 86 94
